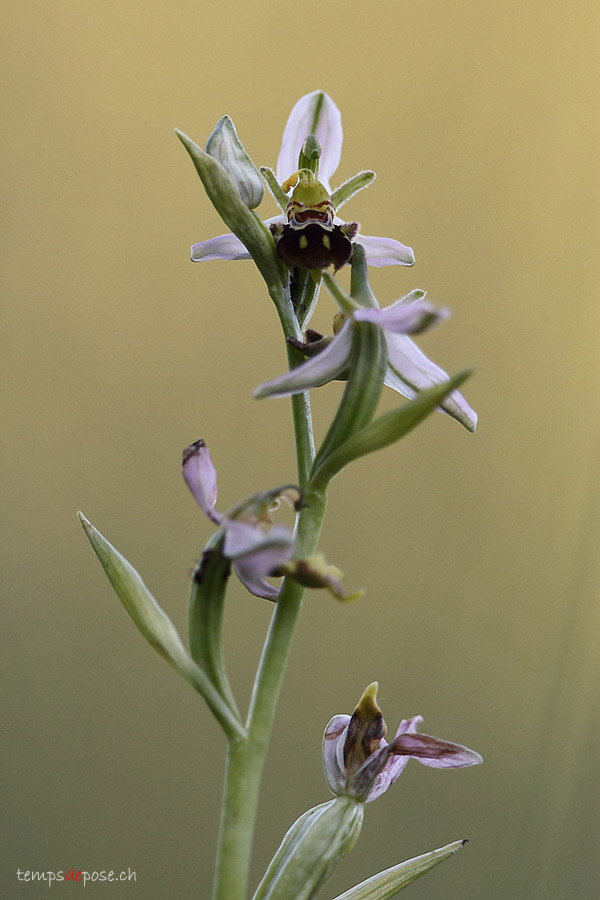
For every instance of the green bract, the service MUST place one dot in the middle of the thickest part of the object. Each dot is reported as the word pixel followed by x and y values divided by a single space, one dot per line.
pixel 388 883
pixel 156 626
pixel 311 849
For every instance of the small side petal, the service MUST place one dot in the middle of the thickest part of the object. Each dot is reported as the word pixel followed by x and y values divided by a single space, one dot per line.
pixel 317 370
pixel 404 318
pixel 201 478
pixel 314 113
pixel 432 751
pixel 226 246
pixel 410 371
pixel 384 251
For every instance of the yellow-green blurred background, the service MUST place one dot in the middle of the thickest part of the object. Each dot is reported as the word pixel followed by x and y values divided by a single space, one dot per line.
pixel 478 553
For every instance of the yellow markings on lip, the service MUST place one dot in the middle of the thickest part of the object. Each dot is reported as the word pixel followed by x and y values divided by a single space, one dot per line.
pixel 303 242
pixel 326 242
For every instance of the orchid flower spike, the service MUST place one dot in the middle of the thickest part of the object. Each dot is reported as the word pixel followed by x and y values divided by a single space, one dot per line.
pixel 315 115
pixel 360 763
pixel 256 547
pixel 408 369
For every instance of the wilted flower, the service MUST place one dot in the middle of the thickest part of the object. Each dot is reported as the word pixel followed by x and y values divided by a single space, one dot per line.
pixel 314 114
pixel 408 369
pixel 358 761
pixel 256 547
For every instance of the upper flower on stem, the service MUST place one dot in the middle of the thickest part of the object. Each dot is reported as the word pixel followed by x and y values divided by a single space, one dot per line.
pixel 360 763
pixel 256 547
pixel 408 369
pixel 315 115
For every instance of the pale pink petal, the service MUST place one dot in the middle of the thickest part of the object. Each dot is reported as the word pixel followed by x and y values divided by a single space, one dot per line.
pixel 226 246
pixel 394 768
pixel 201 478
pixel 403 318
pixel 432 751
pixel 317 370
pixel 314 113
pixel 384 251
pixel 410 371
pixel 269 551
pixel 333 753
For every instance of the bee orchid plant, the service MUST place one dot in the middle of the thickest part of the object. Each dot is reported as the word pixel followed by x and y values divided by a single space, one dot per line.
pixel 296 252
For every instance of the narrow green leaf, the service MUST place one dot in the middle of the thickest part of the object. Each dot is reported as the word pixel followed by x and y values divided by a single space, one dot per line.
pixel 388 883
pixel 157 627
pixel 385 430
pixel 205 616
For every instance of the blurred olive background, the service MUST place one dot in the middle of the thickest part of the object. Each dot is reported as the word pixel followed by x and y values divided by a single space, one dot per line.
pixel 478 553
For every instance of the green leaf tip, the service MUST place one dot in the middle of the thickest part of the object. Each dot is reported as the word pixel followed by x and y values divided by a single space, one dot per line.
pixel 156 626
pixel 388 883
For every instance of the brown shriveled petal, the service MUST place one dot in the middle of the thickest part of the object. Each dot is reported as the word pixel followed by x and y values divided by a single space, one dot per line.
pixel 314 343
pixel 432 751
pixel 365 730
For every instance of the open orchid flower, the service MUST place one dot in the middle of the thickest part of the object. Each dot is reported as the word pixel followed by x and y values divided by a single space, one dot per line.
pixel 314 114
pixel 408 369
pixel 256 547
pixel 360 763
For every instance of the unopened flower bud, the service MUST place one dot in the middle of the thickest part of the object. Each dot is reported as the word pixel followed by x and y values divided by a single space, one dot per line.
pixel 225 146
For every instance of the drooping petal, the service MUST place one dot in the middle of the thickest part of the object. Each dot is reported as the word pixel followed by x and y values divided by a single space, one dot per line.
pixel 225 246
pixel 334 739
pixel 244 539
pixel 266 552
pixel 432 751
pixel 316 371
pixel 314 113
pixel 384 251
pixel 201 478
pixel 410 371
pixel 404 318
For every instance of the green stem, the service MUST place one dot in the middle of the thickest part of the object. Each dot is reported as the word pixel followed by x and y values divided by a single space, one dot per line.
pixel 246 757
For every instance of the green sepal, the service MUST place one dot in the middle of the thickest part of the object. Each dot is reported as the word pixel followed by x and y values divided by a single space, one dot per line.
pixel 158 629
pixel 225 146
pixel 205 616
pixel 388 883
pixel 368 364
pixel 243 222
pixel 311 849
pixel 279 195
pixel 351 187
pixel 385 430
